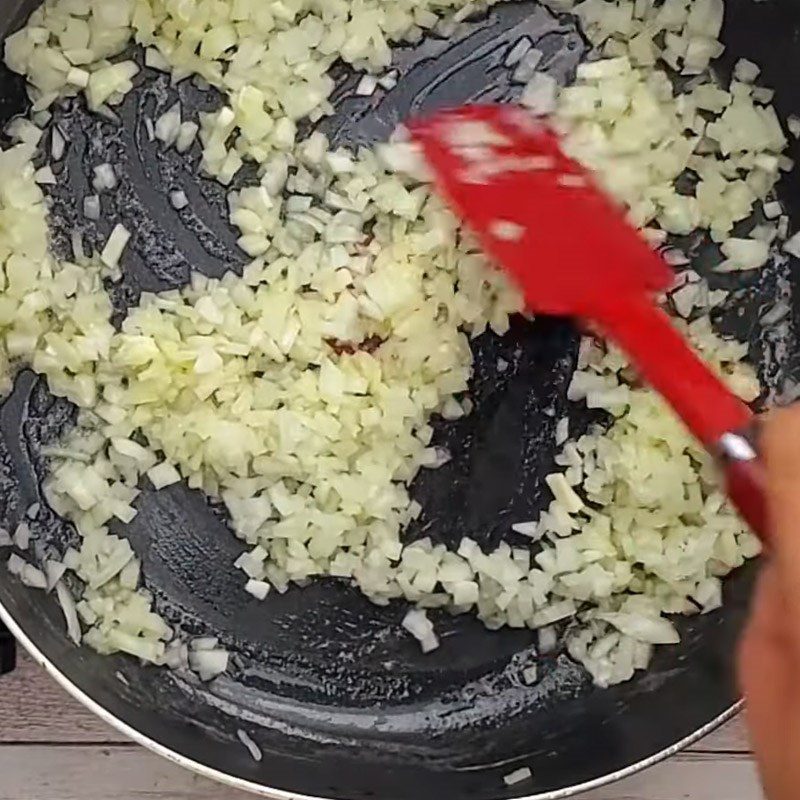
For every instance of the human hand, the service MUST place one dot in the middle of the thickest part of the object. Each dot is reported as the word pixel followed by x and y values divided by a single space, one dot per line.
pixel 769 656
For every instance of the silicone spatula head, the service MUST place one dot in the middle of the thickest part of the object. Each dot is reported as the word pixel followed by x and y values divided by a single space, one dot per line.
pixel 541 217
pixel 536 211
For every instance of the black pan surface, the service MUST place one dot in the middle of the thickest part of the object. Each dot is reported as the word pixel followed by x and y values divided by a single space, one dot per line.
pixel 337 696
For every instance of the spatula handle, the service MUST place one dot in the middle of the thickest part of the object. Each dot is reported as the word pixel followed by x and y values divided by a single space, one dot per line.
pixel 719 419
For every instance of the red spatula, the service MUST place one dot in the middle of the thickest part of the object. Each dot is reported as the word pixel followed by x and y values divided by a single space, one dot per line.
pixel 540 215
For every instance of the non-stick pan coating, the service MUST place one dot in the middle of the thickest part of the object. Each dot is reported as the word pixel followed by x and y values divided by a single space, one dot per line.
pixel 337 696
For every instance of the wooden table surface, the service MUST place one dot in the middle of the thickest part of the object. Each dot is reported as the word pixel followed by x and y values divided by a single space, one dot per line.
pixel 51 748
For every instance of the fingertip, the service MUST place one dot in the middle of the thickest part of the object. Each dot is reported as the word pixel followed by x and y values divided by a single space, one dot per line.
pixel 781 452
pixel 780 441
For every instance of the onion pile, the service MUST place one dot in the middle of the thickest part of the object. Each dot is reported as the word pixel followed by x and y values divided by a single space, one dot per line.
pixel 300 394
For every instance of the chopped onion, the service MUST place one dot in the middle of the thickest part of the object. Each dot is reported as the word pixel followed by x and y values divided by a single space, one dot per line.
pixel 187 133
pixel 562 431
pixel 15 564
pixel 530 675
pixel 204 643
pixel 67 604
pixel 259 589
pixel 517 776
pixel 792 245
pixel 115 246
pixel 91 207
pixel 22 536
pixel 357 269
pixel 24 131
pixel 527 65
pixel 416 622
pixel 686 299
pixel 252 747
pixel 55 572
pixel 746 71
pixel 775 314
pixel 208 664
pixel 179 200
pixel 517 51
pixel 33 577
pixel 168 125
pixel 367 86
pixel 539 95
pixel 548 640
pixel 388 81
pixel 105 179
pixel 743 254
pixel 57 145
pixel 163 475
pixel 45 176
pixel 526 528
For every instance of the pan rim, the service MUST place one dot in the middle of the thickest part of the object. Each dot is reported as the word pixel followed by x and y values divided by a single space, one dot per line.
pixel 273 793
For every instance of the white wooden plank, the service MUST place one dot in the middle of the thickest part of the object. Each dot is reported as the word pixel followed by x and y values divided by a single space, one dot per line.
pixel 730 738
pixel 88 772
pixel 691 776
pixel 34 708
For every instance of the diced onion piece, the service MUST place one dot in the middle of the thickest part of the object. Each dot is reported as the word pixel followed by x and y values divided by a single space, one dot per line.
pixel 208 664
pixel 187 133
pixel 744 254
pixel 115 246
pixel 367 86
pixel 67 603
pixel 792 246
pixel 746 71
pixel 252 747
pixel 259 589
pixel 107 81
pixel 55 572
pixel 653 630
pixel 548 640
pixel 91 207
pixel 15 564
pixel 163 475
pixel 416 622
pixel 530 675
pixel 168 125
pixel 78 77
pixel 178 200
pixel 204 643
pixel 105 179
pixel 33 577
pixel 526 528
pixel 517 51
pixel 564 493
pixel 57 145
pixel 22 536
pixel 23 130
pixel 517 776
pixel 539 95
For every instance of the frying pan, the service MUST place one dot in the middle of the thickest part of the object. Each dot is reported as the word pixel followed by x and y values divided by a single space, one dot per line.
pixel 338 698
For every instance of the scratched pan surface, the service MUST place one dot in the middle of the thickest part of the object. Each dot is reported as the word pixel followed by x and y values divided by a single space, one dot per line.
pixel 336 695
